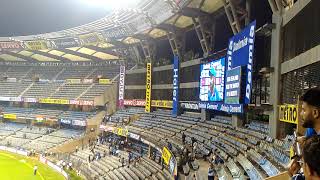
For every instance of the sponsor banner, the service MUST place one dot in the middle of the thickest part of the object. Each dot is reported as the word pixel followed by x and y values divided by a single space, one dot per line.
pixel 11 46
pixel 65 121
pixel 240 53
pixel 53 166
pixel 161 103
pixel 229 108
pixel 121 86
pixel 15 99
pixel 166 155
pixel 148 88
pixel 175 94
pixel 13 150
pixel 86 103
pixel 118 32
pixel 134 136
pixel 31 100
pixel 134 102
pixel 10 116
pixel 82 102
pixel 87 81
pixel 73 81
pixel 4 98
pixel 289 113
pixel 36 45
pixel 105 81
pixel 189 105
pixel 65 43
pixel 74 102
pixel 91 39
pixel 53 101
pixel 233 86
pixel 11 79
pixel 79 123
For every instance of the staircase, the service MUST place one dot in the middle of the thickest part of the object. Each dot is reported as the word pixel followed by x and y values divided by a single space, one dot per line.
pixel 57 90
pixel 84 92
pixel 29 71
pixel 94 70
pixel 59 73
pixel 23 92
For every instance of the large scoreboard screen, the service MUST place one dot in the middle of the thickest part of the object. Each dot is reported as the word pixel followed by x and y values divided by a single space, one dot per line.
pixel 212 80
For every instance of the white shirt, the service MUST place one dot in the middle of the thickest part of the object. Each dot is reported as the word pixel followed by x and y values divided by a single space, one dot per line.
pixel 35 168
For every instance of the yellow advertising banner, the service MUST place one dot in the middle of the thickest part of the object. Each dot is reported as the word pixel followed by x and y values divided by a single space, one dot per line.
pixel 166 155
pixel 105 81
pixel 161 103
pixel 121 132
pixel 289 113
pixel 54 101
pixel 148 88
pixel 73 81
pixel 36 45
pixel 10 116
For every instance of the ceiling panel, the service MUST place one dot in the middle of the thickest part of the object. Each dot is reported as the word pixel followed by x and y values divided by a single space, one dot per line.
pixel 42 58
pixel 86 51
pixel 25 53
pixel 72 57
pixel 56 52
pixel 105 56
pixel 8 57
pixel 211 6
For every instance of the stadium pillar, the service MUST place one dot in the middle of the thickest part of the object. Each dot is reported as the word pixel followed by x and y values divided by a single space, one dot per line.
pixel 275 76
pixel 205 115
pixel 237 121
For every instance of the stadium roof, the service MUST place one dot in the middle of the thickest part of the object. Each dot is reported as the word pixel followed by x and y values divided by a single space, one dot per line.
pixel 100 39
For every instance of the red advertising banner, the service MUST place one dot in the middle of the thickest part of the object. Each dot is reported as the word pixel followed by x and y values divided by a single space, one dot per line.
pixel 11 46
pixel 134 102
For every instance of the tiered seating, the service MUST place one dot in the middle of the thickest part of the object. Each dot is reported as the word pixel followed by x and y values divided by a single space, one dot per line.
pixel 70 91
pixel 34 138
pixel 105 72
pixel 124 114
pixel 42 90
pixel 94 91
pixel 44 72
pixel 12 89
pixel 259 126
pixel 242 149
pixel 17 72
pixel 109 167
pixel 79 72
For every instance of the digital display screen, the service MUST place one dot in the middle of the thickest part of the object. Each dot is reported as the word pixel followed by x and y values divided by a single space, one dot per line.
pixel 212 80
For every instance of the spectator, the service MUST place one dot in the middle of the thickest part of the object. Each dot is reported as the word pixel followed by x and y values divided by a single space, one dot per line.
pixel 35 169
pixel 183 138
pixel 310 161
pixel 310 113
pixel 211 173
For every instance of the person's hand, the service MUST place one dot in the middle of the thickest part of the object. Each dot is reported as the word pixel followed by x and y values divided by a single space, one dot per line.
pixel 294 167
pixel 301 139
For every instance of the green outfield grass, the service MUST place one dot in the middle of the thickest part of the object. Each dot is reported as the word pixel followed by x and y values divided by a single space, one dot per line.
pixel 16 167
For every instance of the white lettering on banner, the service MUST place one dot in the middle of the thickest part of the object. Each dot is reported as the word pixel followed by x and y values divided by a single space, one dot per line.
pixel 202 105
pixel 134 136
pixel 212 106
pixel 230 55
pixel 240 44
pixel 175 84
pixel 234 109
pixel 249 66
pixel 121 85
pixel 190 106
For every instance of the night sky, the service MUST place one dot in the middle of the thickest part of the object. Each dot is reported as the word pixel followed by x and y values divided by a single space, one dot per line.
pixel 27 17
